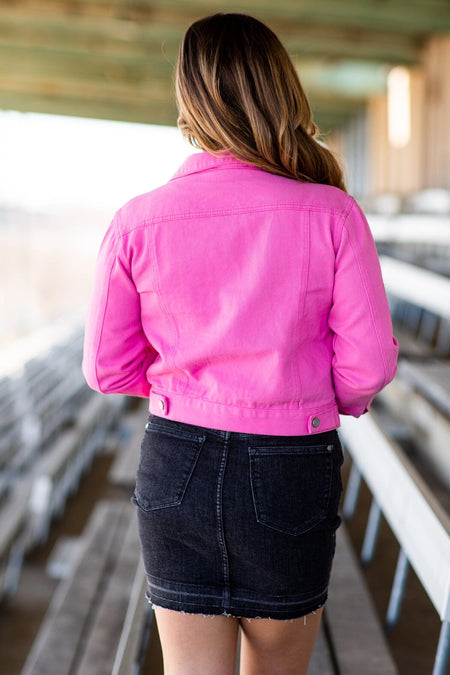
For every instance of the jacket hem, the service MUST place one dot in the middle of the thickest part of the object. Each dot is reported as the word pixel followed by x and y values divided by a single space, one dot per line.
pixel 266 421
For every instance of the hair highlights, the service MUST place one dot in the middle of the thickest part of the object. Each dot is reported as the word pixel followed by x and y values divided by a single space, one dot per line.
pixel 238 92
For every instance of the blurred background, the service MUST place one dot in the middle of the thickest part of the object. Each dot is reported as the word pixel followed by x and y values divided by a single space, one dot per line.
pixel 88 121
pixel 377 75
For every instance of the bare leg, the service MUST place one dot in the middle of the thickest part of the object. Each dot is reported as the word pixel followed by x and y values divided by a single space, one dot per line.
pixel 193 644
pixel 272 647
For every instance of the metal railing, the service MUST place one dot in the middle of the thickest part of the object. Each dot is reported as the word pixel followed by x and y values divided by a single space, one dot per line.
pixel 418 522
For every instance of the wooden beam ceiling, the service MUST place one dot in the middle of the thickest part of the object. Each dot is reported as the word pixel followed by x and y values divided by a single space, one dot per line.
pixel 114 59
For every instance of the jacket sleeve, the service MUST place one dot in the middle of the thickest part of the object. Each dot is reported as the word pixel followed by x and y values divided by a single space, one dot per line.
pixel 364 349
pixel 116 351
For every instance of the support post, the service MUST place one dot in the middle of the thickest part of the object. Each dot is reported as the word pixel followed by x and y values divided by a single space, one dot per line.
pixel 352 492
pixel 397 592
pixel 442 652
pixel 371 534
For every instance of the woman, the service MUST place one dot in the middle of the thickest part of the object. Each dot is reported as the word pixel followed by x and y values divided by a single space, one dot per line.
pixel 245 299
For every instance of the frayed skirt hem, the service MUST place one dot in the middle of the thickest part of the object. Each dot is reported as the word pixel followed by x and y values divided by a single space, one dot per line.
pixel 240 611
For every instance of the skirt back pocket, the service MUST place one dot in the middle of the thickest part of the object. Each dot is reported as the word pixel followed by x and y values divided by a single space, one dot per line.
pixel 291 486
pixel 168 458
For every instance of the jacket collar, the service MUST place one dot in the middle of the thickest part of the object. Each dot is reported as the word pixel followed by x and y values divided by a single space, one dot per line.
pixel 203 161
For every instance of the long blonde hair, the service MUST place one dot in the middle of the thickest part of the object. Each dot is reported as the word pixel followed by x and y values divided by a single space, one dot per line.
pixel 238 92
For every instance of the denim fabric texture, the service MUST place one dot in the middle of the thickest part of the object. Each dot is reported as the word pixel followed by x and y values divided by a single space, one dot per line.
pixel 244 301
pixel 235 523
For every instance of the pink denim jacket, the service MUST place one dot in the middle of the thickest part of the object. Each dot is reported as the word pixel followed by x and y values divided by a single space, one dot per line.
pixel 240 300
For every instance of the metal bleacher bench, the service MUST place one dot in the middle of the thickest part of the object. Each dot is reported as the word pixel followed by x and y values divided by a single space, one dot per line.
pixel 52 426
pixel 97 617
pixel 419 397
pixel 40 494
pixel 420 306
pixel 351 639
pixel 418 522
pixel 123 470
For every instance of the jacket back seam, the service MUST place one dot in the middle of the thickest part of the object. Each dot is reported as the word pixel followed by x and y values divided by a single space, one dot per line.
pixel 191 215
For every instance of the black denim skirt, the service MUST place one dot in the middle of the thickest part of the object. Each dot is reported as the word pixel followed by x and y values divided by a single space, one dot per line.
pixel 237 524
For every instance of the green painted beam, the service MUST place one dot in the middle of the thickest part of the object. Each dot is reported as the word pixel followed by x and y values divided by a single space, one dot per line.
pixel 83 33
pixel 397 16
pixel 352 44
pixel 117 36
pixel 114 59
pixel 86 66
pixel 94 75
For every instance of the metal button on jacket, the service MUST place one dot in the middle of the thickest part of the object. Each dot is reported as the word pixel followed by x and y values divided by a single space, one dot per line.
pixel 316 422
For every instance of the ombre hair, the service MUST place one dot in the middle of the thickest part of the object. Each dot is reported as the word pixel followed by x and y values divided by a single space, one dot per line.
pixel 238 93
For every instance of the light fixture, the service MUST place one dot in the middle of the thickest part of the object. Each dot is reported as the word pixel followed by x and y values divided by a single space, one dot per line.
pixel 399 107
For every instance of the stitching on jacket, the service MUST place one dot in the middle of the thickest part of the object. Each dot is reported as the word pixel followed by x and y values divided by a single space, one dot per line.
pixel 344 215
pixel 155 273
pixel 230 164
pixel 302 301
pixel 98 337
pixel 369 301
pixel 315 408
pixel 190 215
